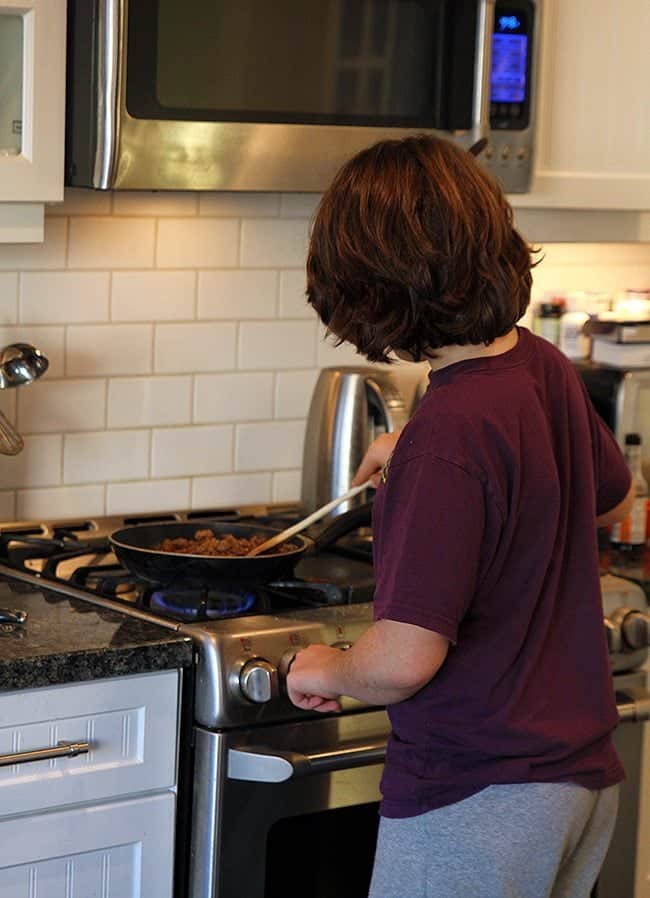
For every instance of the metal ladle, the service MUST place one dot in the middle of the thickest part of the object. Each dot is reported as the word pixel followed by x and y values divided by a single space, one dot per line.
pixel 20 363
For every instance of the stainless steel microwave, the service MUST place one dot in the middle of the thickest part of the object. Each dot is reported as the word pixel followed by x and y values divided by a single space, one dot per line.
pixel 252 95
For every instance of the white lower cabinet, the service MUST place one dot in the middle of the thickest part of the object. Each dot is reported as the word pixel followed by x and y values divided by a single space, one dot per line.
pixel 100 823
pixel 118 850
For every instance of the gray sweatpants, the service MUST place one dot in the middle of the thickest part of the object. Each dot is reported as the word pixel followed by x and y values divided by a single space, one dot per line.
pixel 531 840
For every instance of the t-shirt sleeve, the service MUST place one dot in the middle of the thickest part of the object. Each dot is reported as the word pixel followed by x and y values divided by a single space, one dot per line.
pixel 611 473
pixel 428 544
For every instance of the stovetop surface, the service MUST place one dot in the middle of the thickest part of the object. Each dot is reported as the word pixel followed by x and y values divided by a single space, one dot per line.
pixel 79 554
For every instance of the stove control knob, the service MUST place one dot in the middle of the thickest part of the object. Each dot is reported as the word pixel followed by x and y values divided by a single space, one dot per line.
pixel 614 637
pixel 636 630
pixel 258 681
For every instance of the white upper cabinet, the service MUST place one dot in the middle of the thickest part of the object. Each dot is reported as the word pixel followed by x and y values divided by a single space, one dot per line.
pixel 32 113
pixel 593 137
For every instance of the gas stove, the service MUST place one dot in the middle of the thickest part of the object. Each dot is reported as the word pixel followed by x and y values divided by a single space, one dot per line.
pixel 328 599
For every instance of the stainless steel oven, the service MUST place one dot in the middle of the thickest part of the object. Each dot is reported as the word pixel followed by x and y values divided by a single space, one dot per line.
pixel 251 95
pixel 297 812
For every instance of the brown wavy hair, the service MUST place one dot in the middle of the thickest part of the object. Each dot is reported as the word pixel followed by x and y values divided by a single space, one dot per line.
pixel 413 248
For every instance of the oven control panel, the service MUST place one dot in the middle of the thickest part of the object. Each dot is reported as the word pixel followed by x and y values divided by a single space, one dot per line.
pixel 243 662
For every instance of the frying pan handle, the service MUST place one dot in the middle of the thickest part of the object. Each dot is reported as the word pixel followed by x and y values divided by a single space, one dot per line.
pixel 361 516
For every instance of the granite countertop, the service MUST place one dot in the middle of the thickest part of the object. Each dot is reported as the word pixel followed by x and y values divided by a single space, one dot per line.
pixel 66 640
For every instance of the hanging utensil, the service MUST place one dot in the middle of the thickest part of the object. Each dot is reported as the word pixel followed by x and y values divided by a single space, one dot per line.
pixel 20 363
pixel 306 522
pixel 11 442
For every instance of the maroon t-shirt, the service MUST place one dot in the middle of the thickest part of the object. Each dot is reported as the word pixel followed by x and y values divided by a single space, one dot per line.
pixel 485 532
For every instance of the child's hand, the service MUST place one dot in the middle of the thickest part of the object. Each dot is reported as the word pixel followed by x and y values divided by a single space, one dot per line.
pixel 306 680
pixel 375 458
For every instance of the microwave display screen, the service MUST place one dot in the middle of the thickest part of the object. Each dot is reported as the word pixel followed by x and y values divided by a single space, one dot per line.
pixel 391 63
pixel 510 75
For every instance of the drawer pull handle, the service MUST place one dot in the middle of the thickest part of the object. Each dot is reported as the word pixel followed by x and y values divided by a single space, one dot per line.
pixel 60 750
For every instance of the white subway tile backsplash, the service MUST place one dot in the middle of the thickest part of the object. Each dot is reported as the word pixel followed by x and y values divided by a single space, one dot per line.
pixel 299 205
pixel 8 298
pixel 8 506
pixel 151 495
pixel 281 243
pixel 155 204
pixel 238 205
pixel 293 392
pixel 233 397
pixel 230 490
pixel 270 445
pixel 186 451
pixel 109 349
pixel 153 295
pixel 62 406
pixel 329 355
pixel 111 243
pixel 237 294
pixel 286 486
pixel 293 300
pixel 81 202
pixel 149 401
pixel 277 344
pixel 105 456
pixel 62 297
pixel 39 463
pixel 49 340
pixel 183 348
pixel 48 255
pixel 60 502
pixel 197 243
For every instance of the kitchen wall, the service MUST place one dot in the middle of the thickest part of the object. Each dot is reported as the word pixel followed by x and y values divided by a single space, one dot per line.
pixel 182 352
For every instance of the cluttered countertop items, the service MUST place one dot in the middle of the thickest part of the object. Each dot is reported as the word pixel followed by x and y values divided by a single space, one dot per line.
pixel 606 330
pixel 66 640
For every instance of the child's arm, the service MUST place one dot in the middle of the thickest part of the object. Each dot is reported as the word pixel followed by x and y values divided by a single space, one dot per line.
pixel 387 664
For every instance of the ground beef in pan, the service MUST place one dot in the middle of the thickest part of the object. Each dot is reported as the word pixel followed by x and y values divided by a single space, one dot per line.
pixel 205 542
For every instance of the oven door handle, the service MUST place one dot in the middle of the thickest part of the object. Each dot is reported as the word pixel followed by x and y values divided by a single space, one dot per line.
pixel 259 764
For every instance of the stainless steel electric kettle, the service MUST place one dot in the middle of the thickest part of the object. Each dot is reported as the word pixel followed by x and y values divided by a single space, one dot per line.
pixel 349 407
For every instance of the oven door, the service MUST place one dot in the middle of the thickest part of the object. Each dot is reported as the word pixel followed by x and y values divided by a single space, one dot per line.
pixel 288 811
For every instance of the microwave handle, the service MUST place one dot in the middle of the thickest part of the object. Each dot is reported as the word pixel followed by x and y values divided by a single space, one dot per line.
pixel 258 764
pixel 483 69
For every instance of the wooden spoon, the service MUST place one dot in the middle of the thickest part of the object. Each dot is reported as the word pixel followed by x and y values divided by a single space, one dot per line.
pixel 310 519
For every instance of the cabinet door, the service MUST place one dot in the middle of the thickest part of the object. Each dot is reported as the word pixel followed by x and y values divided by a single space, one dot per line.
pixel 593 136
pixel 31 162
pixel 119 850
pixel 129 723
pixel 32 114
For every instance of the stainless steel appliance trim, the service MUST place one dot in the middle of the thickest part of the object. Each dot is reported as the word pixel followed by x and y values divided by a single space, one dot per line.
pixel 209 782
pixel 61 750
pixel 637 709
pixel 482 71
pixel 264 765
pixel 110 36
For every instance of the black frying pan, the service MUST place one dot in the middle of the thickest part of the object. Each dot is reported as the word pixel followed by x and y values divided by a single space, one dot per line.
pixel 133 547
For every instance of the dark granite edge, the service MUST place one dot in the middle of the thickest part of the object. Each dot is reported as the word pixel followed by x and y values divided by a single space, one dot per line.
pixel 94 664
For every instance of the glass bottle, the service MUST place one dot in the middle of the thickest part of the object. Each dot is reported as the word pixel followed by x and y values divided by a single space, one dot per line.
pixel 630 535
